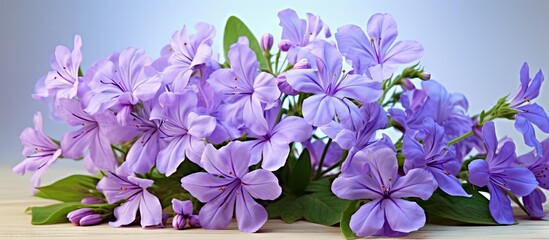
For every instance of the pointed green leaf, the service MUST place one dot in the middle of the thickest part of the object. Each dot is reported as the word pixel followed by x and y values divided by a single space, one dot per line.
pixel 70 189
pixel 300 176
pixel 286 209
pixel 473 210
pixel 234 29
pixel 322 208
pixel 52 214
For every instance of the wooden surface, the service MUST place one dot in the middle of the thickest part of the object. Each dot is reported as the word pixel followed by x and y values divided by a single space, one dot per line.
pixel 15 196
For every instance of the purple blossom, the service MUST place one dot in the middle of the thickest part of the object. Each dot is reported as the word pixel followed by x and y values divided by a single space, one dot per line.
pixel 122 81
pixel 183 213
pixel 123 186
pixel 299 33
pixel 376 55
pixel 247 91
pixel 539 165
pixel 331 90
pixel 498 175
pixel 182 129
pixel 429 150
pixel 283 84
pixel 530 113
pixel 62 81
pixel 89 136
pixel 39 150
pixel 227 183
pixel 373 118
pixel 273 146
pixel 449 110
pixel 316 148
pixel 388 213
pixel 189 53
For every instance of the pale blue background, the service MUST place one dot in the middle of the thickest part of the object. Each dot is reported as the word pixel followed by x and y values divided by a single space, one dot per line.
pixel 473 47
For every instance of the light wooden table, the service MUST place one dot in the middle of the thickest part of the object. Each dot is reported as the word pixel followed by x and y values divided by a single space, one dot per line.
pixel 15 196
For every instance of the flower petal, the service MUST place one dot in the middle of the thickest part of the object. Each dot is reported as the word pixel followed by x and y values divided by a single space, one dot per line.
pixel 291 129
pixel 500 205
pixel 125 213
pixel 417 183
pixel 250 215
pixel 200 126
pixel 217 214
pixel 520 180
pixel 318 110
pixel 368 220
pixel 274 155
pixel 534 203
pixel 261 184
pixel 403 216
pixel 204 186
pixel 305 80
pixel 479 173
pixel 448 183
pixel 356 188
pixel 150 210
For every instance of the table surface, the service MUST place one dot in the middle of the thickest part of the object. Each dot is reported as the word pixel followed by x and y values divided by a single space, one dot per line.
pixel 15 196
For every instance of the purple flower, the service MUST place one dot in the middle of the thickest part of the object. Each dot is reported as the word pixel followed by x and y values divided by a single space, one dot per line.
pixel 90 135
pixel 122 186
pixel 539 165
pixel 183 213
pixel 429 150
pixel 331 92
pixel 374 54
pixel 498 174
pixel 228 183
pixel 316 148
pixel 359 137
pixel 529 113
pixel 39 150
pixel 122 81
pixel 143 153
pixel 283 84
pixel 189 54
pixel 299 33
pixel 449 110
pixel 388 213
pixel 182 129
pixel 274 144
pixel 248 91
pixel 62 81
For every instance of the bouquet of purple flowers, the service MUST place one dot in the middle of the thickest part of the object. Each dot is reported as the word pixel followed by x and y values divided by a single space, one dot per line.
pixel 190 140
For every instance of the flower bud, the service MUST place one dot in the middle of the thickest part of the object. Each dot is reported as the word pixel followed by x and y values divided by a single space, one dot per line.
pixel 179 221
pixel 194 221
pixel 91 200
pixel 76 215
pixel 302 64
pixel 284 86
pixel 284 45
pixel 90 220
pixel 406 84
pixel 266 42
pixel 425 76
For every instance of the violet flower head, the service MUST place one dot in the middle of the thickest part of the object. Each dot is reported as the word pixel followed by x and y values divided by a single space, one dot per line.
pixel 228 188
pixel 182 129
pixel 530 114
pixel 498 174
pixel 183 214
pixel 376 55
pixel 428 149
pixel 388 213
pixel 539 165
pixel 122 81
pixel 189 53
pixel 273 146
pixel 62 81
pixel 245 88
pixel 123 186
pixel 39 150
pixel 331 90
pixel 299 33
pixel 89 136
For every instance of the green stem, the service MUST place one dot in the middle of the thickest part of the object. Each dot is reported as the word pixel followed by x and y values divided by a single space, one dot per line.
pixel 387 85
pixel 118 149
pixel 277 58
pixel 281 109
pixel 341 160
pixel 321 162
pixel 464 136
pixel 281 66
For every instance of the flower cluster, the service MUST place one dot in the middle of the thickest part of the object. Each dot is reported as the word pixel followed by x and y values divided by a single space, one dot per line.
pixel 193 140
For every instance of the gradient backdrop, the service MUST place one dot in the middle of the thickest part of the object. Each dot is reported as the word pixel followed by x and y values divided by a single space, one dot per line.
pixel 473 47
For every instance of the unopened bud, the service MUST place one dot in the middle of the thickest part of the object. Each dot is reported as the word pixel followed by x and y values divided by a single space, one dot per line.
pixel 179 221
pixel 284 45
pixel 91 220
pixel 425 76
pixel 76 215
pixel 194 221
pixel 91 200
pixel 266 42
pixel 406 84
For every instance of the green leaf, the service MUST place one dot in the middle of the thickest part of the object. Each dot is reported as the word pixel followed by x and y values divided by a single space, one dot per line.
pixel 321 185
pixel 70 189
pixel 234 29
pixel 286 209
pixel 346 219
pixel 322 208
pixel 300 176
pixel 472 210
pixel 52 214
